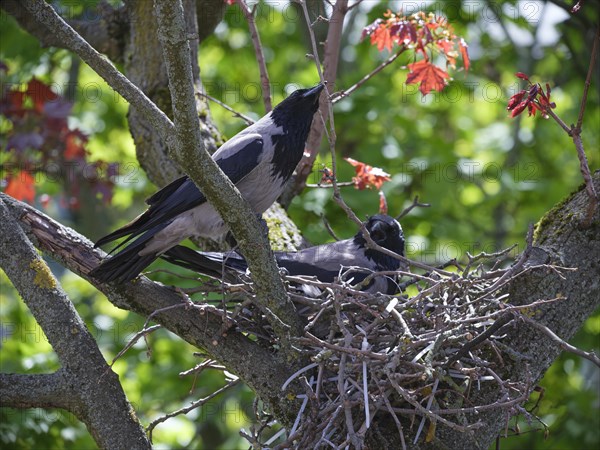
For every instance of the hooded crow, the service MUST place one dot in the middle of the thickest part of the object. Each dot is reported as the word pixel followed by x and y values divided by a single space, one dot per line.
pixel 349 258
pixel 259 160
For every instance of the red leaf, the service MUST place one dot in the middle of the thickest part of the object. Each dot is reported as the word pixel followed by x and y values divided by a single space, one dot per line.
pixel 21 186
pixel 430 76
pixel 464 52
pixel 519 109
pixel 522 76
pixel 515 100
pixel 445 45
pixel 369 29
pixel 381 36
pixel 75 145
pixel 404 32
pixel 13 104
pixel 40 93
pixel 368 176
pixel 383 208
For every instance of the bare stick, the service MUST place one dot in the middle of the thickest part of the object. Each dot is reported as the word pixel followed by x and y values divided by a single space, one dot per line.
pixel 346 92
pixel 591 356
pixel 258 50
pixel 189 408
pixel 588 79
pixel 575 132
pixel 415 203
pixel 245 118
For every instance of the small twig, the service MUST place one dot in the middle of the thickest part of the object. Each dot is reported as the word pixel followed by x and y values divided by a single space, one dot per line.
pixel 293 376
pixel 423 411
pixel 189 408
pixel 591 356
pixel 330 186
pixel 328 228
pixel 588 79
pixel 575 133
pixel 415 203
pixel 468 346
pixel 517 266
pixel 145 331
pixel 260 56
pixel 345 93
pixel 429 402
pixel 245 118
pixel 347 350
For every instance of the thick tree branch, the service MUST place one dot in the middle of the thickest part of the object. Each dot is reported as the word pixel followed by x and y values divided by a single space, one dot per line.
pixel 104 30
pixel 98 400
pixel 264 371
pixel 53 390
pixel 219 190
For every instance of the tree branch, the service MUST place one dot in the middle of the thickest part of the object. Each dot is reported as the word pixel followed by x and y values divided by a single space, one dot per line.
pixel 258 51
pixel 264 371
pixel 104 33
pixel 98 399
pixel 330 64
pixel 217 188
pixel 53 390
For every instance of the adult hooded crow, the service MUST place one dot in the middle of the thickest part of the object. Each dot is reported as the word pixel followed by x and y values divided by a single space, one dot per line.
pixel 259 160
pixel 325 262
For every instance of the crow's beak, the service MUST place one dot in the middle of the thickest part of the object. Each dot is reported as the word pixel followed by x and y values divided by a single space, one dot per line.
pixel 314 91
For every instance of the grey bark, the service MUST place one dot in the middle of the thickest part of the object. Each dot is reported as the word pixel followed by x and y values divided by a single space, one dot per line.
pixel 85 385
pixel 264 371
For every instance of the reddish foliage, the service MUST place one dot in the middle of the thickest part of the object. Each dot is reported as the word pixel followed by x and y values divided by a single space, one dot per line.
pixel 21 186
pixel 40 138
pixel 40 93
pixel 424 34
pixel 75 145
pixel 367 176
pixel 464 52
pixel 431 77
pixel 383 207
pixel 533 99
pixel 327 177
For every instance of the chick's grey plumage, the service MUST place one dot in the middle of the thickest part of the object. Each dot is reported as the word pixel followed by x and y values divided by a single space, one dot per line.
pixel 259 160
pixel 350 257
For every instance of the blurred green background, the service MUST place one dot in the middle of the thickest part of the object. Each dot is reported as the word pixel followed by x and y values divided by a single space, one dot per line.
pixel 486 176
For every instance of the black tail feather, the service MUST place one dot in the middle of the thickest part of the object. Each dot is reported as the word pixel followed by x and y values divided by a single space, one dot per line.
pixel 127 264
pixel 122 267
pixel 192 260
pixel 223 266
pixel 132 228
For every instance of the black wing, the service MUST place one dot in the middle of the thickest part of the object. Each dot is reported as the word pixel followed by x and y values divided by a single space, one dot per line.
pixel 182 194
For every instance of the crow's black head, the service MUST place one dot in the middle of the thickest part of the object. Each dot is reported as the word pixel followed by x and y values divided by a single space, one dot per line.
pixel 300 106
pixel 387 232
pixel 294 115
